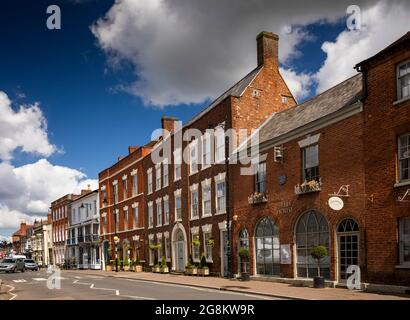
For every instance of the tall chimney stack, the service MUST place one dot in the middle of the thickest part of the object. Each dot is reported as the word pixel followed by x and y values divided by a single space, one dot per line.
pixel 268 49
pixel 169 123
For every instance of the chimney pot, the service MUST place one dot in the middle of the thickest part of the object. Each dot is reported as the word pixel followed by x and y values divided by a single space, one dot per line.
pixel 268 48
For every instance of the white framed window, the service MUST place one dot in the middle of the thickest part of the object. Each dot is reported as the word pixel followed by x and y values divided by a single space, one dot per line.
pixel 260 177
pixel 135 215
pixel 196 248
pixel 125 211
pixel 135 184
pixel 167 248
pixel 194 203
pixel 206 150
pixel 151 252
pixel 178 207
pixel 116 220
pixel 207 245
pixel 165 174
pixel 150 215
pixel 403 80
pixel 166 210
pixel 124 188
pixel 404 238
pixel 220 193
pixel 177 164
pixel 404 157
pixel 149 178
pixel 206 199
pixel 159 213
pixel 219 145
pixel 193 157
pixel 104 197
pixel 310 163
pixel 115 192
pixel 158 177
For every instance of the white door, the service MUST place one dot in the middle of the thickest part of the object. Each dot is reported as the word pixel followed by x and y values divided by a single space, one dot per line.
pixel 180 256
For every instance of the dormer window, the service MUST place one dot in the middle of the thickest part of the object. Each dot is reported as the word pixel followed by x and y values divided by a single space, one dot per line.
pixel 403 80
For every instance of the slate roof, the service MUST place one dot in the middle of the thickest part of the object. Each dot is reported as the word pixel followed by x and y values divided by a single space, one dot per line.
pixel 403 41
pixel 326 103
pixel 235 91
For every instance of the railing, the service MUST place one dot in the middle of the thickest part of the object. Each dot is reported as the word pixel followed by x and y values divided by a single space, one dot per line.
pixel 91 238
pixel 308 187
pixel 258 197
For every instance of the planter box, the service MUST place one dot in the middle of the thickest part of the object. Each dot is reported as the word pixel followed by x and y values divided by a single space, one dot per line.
pixel 126 268
pixel 191 272
pixel 156 269
pixel 203 272
pixel 165 270
pixel 138 268
pixel 108 268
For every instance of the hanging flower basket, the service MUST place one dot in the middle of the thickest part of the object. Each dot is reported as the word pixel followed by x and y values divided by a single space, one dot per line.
pixel 210 242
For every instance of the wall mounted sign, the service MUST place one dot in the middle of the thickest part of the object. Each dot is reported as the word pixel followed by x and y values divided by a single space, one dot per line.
pixel 285 254
pixel 285 207
pixel 336 203
pixel 282 179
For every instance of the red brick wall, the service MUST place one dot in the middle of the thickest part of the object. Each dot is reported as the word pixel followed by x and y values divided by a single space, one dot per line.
pixel 384 122
pixel 340 163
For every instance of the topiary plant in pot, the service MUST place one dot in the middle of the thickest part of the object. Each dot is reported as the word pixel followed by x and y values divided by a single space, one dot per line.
pixel 318 253
pixel 244 261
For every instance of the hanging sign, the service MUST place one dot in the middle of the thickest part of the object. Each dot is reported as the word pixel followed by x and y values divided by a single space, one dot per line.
pixel 336 203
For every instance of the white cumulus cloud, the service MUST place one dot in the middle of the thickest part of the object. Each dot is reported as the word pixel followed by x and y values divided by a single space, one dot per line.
pixel 25 128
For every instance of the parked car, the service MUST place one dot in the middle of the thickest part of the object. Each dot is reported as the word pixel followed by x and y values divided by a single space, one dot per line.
pixel 30 265
pixel 12 265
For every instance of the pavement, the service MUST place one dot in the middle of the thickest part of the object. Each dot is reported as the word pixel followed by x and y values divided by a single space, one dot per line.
pixel 253 287
pixel 109 285
pixel 84 285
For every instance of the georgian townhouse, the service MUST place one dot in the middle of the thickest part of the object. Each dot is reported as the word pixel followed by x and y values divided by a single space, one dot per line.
pixel 313 152
pixel 83 239
pixel 41 244
pixel 187 202
pixel 386 106
pixel 121 203
pixel 60 209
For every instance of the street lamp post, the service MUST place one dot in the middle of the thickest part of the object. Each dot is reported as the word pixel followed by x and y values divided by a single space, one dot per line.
pixel 116 240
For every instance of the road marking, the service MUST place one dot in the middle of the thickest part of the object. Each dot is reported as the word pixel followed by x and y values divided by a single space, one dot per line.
pixel 39 279
pixel 10 292
pixel 137 297
pixel 92 286
pixel 19 280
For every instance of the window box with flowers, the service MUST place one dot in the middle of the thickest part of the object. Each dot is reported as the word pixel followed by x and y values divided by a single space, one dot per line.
pixel 308 187
pixel 210 243
pixel 257 197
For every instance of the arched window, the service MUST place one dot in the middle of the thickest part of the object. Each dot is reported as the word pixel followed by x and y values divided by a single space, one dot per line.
pixel 311 230
pixel 267 247
pixel 348 225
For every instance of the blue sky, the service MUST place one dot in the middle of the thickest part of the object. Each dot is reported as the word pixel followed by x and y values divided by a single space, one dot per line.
pixel 104 89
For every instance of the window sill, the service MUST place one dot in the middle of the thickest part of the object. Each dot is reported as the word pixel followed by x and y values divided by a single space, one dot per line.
pixel 151 227
pixel 209 260
pixel 157 189
pixel 193 173
pixel 194 218
pixel 159 225
pixel 196 260
pixel 205 167
pixel 207 215
pixel 397 102
pixel 402 266
pixel 220 213
pixel 402 184
pixel 177 179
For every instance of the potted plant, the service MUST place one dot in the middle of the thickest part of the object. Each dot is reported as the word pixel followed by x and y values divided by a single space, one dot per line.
pixel 109 265
pixel 191 268
pixel 126 264
pixel 318 253
pixel 156 268
pixel 203 267
pixel 138 266
pixel 196 242
pixel 210 242
pixel 164 266
pixel 244 258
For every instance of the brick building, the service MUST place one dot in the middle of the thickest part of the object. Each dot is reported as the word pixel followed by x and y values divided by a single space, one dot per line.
pixel 60 210
pixel 282 211
pixel 387 158
pixel 186 201
pixel 121 204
